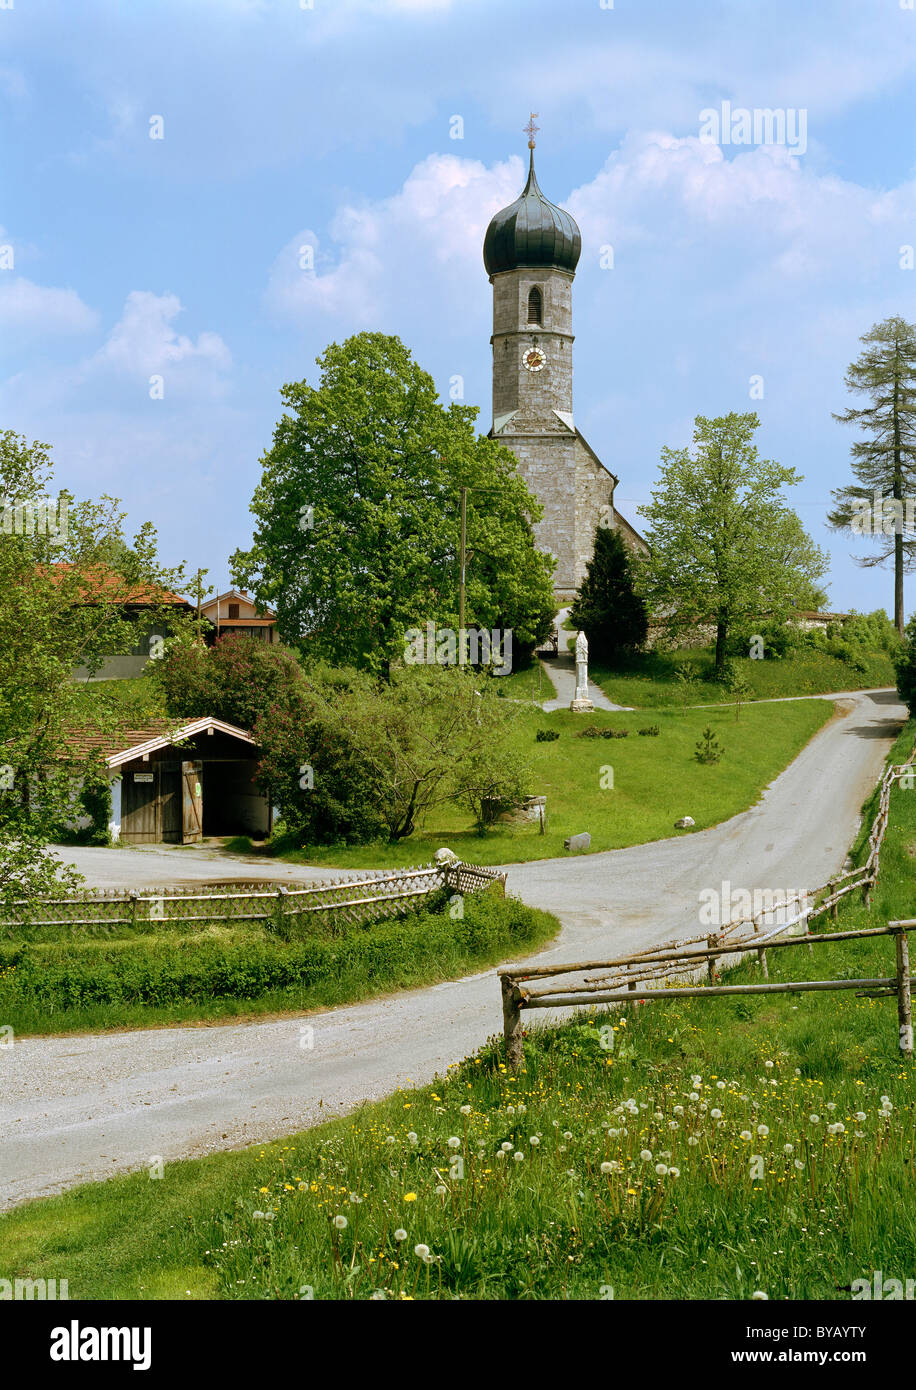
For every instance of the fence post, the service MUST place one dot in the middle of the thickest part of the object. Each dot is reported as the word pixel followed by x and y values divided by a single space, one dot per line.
pixel 762 955
pixel 512 1022
pixel 713 974
pixel 904 999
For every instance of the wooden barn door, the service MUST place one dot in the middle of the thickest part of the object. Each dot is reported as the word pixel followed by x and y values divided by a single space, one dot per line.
pixel 192 802
pixel 140 809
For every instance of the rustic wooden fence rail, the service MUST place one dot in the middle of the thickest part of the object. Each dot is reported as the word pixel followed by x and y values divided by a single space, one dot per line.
pixel 374 896
pixel 648 974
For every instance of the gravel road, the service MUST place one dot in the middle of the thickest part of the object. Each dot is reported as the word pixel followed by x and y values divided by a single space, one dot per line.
pixel 77 1108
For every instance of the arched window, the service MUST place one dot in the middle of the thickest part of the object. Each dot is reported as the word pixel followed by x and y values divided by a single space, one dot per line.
pixel 535 307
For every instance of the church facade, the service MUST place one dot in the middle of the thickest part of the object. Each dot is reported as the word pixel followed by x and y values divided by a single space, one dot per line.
pixel 530 252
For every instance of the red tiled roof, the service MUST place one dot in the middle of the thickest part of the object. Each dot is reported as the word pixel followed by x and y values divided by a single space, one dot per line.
pixel 111 587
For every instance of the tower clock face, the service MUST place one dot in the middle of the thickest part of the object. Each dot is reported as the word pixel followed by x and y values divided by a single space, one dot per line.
pixel 533 360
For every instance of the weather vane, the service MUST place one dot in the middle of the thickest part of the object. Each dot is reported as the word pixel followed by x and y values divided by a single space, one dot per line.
pixel 531 130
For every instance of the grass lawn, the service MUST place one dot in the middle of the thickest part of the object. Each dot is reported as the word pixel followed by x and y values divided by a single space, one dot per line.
pixel 656 780
pixel 116 977
pixel 650 681
pixel 746 1189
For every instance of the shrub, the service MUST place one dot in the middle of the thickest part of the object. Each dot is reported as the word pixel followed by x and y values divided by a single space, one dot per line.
pixel 708 749
pixel 546 736
pixel 652 731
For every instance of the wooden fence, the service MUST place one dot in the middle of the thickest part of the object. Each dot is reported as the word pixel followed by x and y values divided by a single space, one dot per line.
pixel 644 974
pixel 374 896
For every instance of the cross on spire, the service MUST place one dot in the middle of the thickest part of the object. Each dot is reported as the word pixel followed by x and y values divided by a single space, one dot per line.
pixel 531 129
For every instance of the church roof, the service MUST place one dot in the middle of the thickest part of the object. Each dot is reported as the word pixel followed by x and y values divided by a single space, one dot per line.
pixel 532 231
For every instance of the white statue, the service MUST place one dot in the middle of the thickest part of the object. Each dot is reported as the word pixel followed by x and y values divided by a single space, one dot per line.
pixel 581 702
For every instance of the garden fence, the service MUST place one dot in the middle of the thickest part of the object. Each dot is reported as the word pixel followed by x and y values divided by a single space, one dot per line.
pixel 642 975
pixel 374 896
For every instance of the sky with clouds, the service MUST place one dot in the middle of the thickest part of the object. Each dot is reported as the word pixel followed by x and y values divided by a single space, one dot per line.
pixel 330 125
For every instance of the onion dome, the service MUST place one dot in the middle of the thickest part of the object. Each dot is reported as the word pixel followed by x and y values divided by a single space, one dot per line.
pixel 532 231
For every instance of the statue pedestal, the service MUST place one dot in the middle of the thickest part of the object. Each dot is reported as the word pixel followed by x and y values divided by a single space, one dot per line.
pixel 581 706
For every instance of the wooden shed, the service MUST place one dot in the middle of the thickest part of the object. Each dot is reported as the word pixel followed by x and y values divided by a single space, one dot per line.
pixel 179 784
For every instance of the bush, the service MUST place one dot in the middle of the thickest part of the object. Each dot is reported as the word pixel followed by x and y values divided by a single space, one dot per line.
pixel 905 667
pixel 652 731
pixel 546 736
pixel 159 971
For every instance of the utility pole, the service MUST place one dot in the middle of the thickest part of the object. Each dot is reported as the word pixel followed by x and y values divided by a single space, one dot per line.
pixel 464 536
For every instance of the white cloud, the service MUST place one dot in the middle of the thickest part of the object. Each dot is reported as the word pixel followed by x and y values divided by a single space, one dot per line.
pixel 429 235
pixel 144 341
pixel 30 309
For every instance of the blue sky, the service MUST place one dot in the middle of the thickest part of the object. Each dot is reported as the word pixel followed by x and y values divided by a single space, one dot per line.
pixel 285 126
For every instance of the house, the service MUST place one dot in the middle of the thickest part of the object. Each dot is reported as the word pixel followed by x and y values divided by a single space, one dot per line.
pixel 145 606
pixel 180 783
pixel 234 611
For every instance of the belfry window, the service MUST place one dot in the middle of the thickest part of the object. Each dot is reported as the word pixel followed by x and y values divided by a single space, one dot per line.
pixel 535 307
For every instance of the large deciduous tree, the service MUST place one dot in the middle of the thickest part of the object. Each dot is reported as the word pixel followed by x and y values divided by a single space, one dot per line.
pixel 357 514
pixel 884 461
pixel 63 586
pixel 724 546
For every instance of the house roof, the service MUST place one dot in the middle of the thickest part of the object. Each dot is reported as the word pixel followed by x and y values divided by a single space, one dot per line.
pixel 124 745
pixel 111 587
pixel 235 594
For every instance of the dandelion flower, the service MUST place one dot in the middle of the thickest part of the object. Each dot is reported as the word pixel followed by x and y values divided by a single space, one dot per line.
pixel 465 1109
pixel 674 1172
pixel 534 1141
pixel 400 1234
pixel 763 1130
pixel 815 1119
pixel 693 1141
pixel 454 1142
pixel 646 1155
pixel 746 1134
pixel 421 1250
pixel 413 1138
pixel 788 1148
pixel 661 1170
pixel 715 1114
pixel 518 1156
pixel 440 1190
pixel 506 1146
pixel 410 1196
pixel 758 1294
pixel 608 1167
pixel 340 1222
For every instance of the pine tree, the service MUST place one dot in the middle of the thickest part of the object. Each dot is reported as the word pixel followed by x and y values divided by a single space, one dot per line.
pixel 607 608
pixel 884 462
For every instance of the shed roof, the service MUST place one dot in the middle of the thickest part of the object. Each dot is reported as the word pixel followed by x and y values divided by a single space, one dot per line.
pixel 124 745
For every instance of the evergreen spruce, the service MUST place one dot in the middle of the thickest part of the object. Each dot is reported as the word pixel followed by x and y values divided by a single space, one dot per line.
pixel 884 462
pixel 607 608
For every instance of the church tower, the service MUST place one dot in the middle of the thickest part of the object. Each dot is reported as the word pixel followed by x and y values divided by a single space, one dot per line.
pixel 530 252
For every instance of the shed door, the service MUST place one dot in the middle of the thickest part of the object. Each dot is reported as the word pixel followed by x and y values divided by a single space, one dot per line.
pixel 192 802
pixel 140 809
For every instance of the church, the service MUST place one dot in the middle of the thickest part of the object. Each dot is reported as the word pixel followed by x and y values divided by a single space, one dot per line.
pixel 531 250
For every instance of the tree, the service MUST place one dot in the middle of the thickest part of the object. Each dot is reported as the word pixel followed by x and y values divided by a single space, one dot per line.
pixel 355 759
pixel 885 461
pixel 905 664
pixel 357 514
pixel 724 546
pixel 607 608
pixel 236 679
pixel 52 619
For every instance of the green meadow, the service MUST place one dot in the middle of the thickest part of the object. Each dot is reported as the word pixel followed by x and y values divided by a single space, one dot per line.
pixel 724 1148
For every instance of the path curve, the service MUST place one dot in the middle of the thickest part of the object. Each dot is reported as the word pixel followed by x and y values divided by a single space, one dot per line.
pixel 84 1107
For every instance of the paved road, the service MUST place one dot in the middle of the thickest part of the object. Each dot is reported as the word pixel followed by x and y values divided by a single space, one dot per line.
pixel 79 1108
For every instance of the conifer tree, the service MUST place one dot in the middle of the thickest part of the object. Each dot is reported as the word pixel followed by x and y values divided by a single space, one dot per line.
pixel 884 461
pixel 607 608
